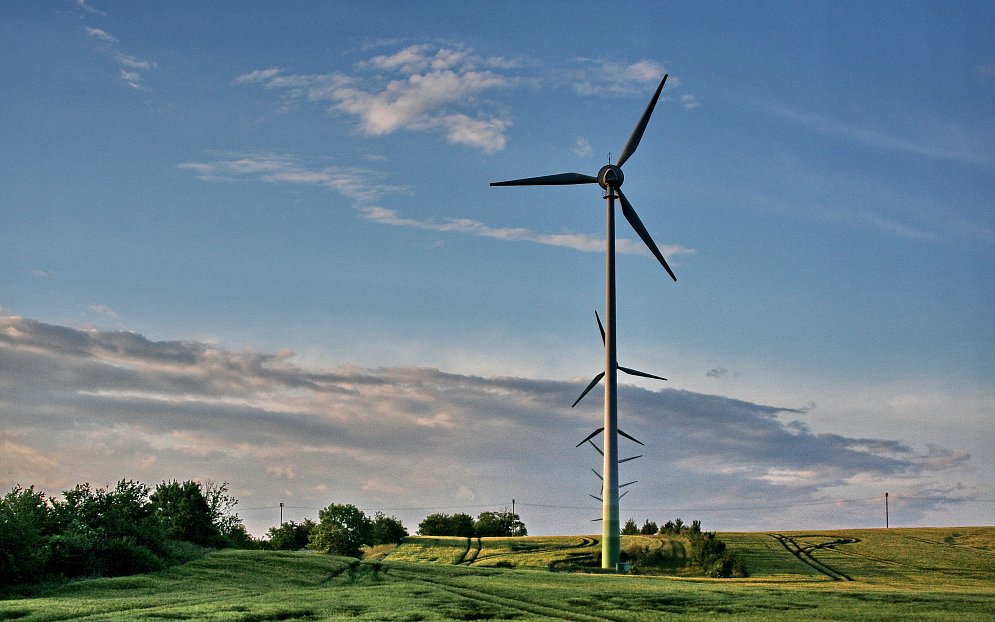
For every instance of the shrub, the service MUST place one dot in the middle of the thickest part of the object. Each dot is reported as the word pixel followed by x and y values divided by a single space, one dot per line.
pixel 630 528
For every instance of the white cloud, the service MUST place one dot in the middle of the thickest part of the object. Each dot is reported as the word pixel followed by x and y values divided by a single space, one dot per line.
pixel 134 63
pixel 603 77
pixel 104 310
pixel 582 147
pixel 364 188
pixel 359 185
pixel 102 35
pixel 689 102
pixel 420 88
pixel 577 241
pixel 89 9
pixel 260 75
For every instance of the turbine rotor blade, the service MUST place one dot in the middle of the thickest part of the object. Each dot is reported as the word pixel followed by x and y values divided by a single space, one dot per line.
pixel 627 459
pixel 593 384
pixel 562 179
pixel 596 448
pixel 590 436
pixel 601 327
pixel 598 474
pixel 623 494
pixel 598 498
pixel 636 372
pixel 631 438
pixel 635 481
pixel 637 134
pixel 633 218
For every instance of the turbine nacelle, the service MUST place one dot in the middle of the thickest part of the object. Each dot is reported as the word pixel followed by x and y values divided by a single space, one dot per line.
pixel 610 175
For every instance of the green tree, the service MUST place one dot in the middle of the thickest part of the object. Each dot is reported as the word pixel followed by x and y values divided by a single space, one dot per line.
pixel 26 520
pixel 446 525
pixel 341 530
pixel 630 528
pixel 186 513
pixel 649 528
pixel 291 536
pixel 499 524
pixel 386 530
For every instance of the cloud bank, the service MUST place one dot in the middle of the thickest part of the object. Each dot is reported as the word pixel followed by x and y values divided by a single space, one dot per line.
pixel 93 405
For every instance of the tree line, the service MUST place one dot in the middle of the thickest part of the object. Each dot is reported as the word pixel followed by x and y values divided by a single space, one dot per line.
pixel 132 528
pixel 127 529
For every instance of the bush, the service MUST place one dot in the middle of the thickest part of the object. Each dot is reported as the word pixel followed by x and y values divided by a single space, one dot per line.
pixel 630 528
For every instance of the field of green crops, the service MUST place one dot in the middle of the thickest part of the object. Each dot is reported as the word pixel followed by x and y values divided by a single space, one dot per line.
pixel 921 574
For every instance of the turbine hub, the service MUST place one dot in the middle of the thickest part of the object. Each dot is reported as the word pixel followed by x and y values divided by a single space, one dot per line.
pixel 610 175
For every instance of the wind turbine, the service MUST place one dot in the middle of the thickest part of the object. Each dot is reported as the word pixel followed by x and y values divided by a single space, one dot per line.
pixel 610 179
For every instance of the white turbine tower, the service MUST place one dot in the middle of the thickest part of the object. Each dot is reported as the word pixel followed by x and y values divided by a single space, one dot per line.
pixel 610 178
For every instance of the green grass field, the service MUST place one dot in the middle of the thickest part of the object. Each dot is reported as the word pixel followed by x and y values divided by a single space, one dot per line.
pixel 921 574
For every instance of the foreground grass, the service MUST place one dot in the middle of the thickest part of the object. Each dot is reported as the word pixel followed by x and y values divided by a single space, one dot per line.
pixel 943 574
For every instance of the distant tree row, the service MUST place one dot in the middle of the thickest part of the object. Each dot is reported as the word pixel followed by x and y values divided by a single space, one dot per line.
pixel 487 525
pixel 107 532
pixel 346 530
pixel 671 527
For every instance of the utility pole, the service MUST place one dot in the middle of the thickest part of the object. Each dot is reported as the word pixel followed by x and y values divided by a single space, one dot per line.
pixel 281 513
pixel 886 511
pixel 514 529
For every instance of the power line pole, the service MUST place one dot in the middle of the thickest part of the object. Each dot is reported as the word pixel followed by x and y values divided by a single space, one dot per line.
pixel 886 525
pixel 281 513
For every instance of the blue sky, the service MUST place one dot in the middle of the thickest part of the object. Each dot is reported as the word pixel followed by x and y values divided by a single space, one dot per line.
pixel 292 203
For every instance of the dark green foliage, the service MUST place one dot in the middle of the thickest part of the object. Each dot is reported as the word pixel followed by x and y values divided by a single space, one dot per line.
pixel 109 532
pixel 386 530
pixel 25 523
pixel 342 529
pixel 499 524
pixel 630 528
pixel 291 536
pixel 649 528
pixel 186 513
pixel 445 525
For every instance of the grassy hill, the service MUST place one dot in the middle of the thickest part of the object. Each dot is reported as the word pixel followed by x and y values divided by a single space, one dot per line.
pixel 922 574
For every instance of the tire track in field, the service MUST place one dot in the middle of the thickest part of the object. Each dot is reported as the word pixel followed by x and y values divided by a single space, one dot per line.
pixel 804 553
pixel 474 555
pixel 957 545
pixel 506 602
pixel 462 556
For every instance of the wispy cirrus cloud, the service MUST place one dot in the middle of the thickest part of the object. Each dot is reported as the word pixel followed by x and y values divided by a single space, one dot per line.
pixel 360 185
pixel 101 35
pixel 366 187
pixel 944 149
pixel 180 409
pixel 576 241
pixel 131 68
